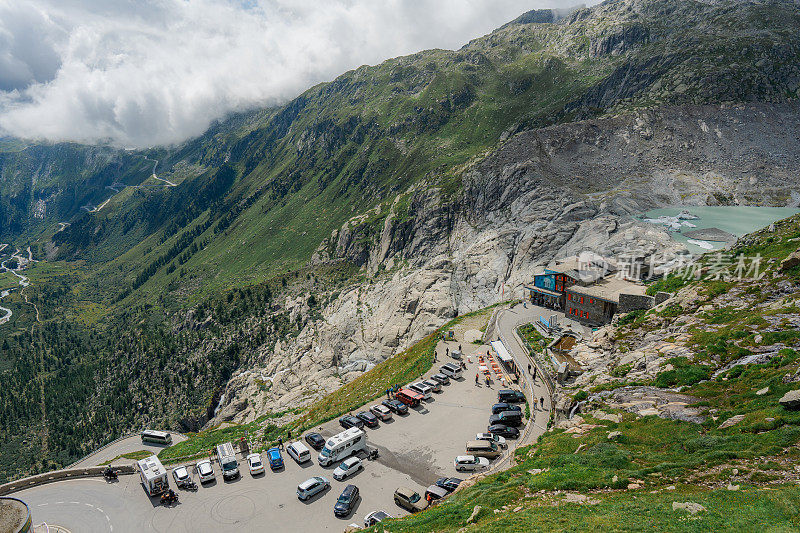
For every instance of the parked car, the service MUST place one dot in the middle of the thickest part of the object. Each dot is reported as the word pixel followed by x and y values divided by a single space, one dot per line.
pixel 181 476
pixel 396 406
pixel 435 492
pixel 464 463
pixel 510 396
pixel 382 412
pixel 255 464
pixel 433 384
pixel 370 420
pixel 502 406
pixel 409 397
pixel 483 448
pixel 205 471
pixel 497 439
pixel 509 418
pixel 441 378
pixel 410 500
pixel 350 421
pixel 503 431
pixel 299 452
pixel 347 501
pixel 315 440
pixel 347 468
pixel 449 483
pixel 275 458
pixel 420 388
pixel 376 517
pixel 312 486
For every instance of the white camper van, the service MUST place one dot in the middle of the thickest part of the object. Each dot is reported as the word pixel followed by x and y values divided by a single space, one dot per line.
pixel 342 445
pixel 227 460
pixel 153 475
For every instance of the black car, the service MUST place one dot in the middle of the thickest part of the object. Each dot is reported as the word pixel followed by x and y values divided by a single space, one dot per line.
pixel 503 431
pixel 507 418
pixel 368 418
pixel 315 440
pixel 510 396
pixel 347 501
pixel 396 406
pixel 449 483
pixel 500 407
pixel 350 421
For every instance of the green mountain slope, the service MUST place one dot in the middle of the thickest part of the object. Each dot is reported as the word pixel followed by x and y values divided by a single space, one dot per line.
pixel 245 205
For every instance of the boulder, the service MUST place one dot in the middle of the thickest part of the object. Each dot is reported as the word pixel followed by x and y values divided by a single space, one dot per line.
pixel 762 392
pixel 690 507
pixel 791 400
pixel 474 515
pixel 614 434
pixel 731 421
pixel 792 261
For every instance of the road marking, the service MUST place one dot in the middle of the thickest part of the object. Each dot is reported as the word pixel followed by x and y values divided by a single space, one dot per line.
pixel 42 504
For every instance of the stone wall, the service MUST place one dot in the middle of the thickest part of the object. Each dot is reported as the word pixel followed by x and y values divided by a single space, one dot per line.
pixel 632 302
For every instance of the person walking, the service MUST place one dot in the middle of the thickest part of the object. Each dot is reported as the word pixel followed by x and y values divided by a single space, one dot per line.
pixel 446 351
pixel 288 434
pixel 534 373
pixel 387 394
pixel 529 368
pixel 280 442
pixel 476 378
pixel 542 401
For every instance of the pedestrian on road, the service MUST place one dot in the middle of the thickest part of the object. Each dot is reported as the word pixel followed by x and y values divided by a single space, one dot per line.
pixel 434 356
pixel 288 434
pixel 487 381
pixel 476 378
pixel 280 442
pixel 446 351
pixel 542 400
pixel 534 373
pixel 459 347
pixel 529 368
pixel 388 391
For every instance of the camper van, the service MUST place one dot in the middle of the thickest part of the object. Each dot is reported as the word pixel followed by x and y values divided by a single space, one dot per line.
pixel 153 475
pixel 342 445
pixel 227 460
pixel 451 370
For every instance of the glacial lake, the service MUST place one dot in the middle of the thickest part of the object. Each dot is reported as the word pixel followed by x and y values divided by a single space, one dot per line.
pixel 738 220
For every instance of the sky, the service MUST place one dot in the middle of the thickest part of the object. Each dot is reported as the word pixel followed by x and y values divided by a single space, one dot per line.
pixel 140 73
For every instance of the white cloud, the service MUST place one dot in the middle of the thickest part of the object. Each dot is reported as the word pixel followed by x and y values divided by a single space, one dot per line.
pixel 147 72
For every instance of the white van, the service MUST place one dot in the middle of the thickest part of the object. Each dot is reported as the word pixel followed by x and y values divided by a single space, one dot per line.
pixel 299 452
pixel 227 460
pixel 421 388
pixel 342 445
pixel 153 475
pixel 451 370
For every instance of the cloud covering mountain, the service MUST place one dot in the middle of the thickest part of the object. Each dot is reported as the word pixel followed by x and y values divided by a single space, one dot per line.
pixel 148 72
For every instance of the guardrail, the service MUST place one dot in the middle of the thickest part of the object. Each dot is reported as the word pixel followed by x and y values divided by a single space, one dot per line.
pixel 60 475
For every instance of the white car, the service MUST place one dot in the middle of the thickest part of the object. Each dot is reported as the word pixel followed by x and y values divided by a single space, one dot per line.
pixel 255 463
pixel 421 388
pixel 500 441
pixel 181 475
pixel 349 466
pixel 205 471
pixel 470 462
pixel 376 517
pixel 382 412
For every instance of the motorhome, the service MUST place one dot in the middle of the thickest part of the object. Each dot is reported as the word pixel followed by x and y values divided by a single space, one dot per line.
pixel 153 475
pixel 227 460
pixel 342 445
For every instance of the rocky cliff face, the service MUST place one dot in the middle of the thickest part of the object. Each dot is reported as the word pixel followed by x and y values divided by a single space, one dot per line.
pixel 544 195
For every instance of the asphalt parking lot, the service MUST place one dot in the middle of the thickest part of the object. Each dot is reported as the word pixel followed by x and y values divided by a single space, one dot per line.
pixel 414 449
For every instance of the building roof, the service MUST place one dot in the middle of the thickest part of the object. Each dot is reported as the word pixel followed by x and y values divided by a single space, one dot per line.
pixel 586 268
pixel 608 289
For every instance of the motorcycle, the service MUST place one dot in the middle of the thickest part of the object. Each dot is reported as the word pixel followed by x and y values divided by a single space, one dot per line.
pixel 169 497
pixel 190 485
pixel 373 454
pixel 110 475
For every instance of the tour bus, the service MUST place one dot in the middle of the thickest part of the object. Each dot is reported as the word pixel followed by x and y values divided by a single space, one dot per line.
pixel 342 445
pixel 227 460
pixel 153 475
pixel 159 437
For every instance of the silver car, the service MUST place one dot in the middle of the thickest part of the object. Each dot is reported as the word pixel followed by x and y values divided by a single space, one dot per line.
pixel 312 486
pixel 435 385
pixel 205 471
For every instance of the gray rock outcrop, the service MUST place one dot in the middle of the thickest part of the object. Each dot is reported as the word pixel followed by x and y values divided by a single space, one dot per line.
pixel 791 400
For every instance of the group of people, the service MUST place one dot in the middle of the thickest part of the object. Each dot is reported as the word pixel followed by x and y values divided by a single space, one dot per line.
pixel 391 391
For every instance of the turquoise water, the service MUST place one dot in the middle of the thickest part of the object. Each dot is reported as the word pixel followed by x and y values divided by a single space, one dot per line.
pixel 738 220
